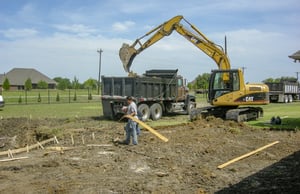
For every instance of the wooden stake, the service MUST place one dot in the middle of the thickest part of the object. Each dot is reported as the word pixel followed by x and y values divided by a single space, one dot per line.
pixel 147 127
pixel 93 136
pixel 10 155
pixel 72 139
pixel 247 155
pixel 56 140
pixel 59 148
pixel 82 138
pixel 99 145
pixel 40 145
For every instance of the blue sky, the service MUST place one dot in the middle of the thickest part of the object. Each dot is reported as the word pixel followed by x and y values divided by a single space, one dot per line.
pixel 61 38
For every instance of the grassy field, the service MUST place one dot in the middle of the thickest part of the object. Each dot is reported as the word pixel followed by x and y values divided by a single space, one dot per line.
pixel 289 113
pixel 73 110
pixel 44 96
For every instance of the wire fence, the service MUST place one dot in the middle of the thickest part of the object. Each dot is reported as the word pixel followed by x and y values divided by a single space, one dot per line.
pixel 50 96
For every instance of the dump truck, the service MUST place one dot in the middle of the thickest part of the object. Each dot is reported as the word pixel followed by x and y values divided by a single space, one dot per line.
pixel 284 91
pixel 156 92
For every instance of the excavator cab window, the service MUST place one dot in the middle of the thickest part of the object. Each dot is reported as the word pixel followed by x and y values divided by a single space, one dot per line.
pixel 180 82
pixel 222 82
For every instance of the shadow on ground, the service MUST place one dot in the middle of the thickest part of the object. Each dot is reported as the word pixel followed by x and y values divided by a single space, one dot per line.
pixel 281 177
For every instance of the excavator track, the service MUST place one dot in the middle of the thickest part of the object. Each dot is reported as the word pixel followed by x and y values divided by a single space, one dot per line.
pixel 240 114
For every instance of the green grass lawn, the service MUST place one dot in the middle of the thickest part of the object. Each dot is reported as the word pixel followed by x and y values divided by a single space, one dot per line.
pixel 288 112
pixel 72 110
pixel 44 96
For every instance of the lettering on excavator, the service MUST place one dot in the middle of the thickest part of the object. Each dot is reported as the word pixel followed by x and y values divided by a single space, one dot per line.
pixel 249 99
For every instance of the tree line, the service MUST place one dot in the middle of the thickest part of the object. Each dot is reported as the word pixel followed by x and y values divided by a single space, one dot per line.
pixel 65 83
pixel 202 81
pixel 62 84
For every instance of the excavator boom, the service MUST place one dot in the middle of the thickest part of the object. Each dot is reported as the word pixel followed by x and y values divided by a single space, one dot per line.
pixel 128 52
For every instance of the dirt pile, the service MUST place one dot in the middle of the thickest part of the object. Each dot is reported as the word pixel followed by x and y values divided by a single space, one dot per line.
pixel 186 164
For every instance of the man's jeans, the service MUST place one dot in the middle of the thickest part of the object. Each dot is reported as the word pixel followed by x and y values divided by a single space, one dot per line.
pixel 131 131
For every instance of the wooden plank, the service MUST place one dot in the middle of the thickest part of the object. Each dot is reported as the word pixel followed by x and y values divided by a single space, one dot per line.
pixel 246 155
pixel 27 148
pixel 154 132
pixel 11 159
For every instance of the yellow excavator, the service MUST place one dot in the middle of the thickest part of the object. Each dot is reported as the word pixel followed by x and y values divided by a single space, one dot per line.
pixel 229 96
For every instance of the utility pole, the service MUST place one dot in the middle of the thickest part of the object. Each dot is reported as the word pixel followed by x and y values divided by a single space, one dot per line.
pixel 100 53
pixel 297 75
pixel 243 68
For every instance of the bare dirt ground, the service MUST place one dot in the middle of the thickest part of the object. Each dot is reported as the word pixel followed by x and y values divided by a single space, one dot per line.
pixel 186 164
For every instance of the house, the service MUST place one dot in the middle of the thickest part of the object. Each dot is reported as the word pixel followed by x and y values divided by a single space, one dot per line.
pixel 18 76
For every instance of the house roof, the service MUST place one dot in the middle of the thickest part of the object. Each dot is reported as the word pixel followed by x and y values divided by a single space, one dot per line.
pixel 296 56
pixel 18 76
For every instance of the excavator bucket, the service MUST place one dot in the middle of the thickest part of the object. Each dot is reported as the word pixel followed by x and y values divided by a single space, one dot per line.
pixel 127 55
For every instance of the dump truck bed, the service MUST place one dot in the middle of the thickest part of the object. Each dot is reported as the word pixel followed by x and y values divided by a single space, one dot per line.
pixel 153 84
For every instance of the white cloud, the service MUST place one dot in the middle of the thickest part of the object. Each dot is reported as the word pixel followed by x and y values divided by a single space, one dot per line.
pixel 78 29
pixel 26 9
pixel 122 27
pixel 61 38
pixel 19 33
pixel 134 7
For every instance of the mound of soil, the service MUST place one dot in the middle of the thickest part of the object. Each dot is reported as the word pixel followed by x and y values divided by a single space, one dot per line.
pixel 187 163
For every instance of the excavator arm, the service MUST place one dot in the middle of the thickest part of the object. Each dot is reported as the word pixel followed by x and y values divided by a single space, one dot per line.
pixel 128 52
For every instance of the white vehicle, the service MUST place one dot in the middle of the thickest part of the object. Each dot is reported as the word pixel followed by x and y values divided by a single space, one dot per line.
pixel 1 101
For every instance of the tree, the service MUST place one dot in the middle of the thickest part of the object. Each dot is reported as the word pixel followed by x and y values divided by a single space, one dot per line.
pixel 20 99
pixel 57 97
pixel 75 83
pixel 6 84
pixel 42 85
pixel 63 83
pixel 281 79
pixel 201 82
pixel 28 84
pixel 90 83
pixel 268 80
pixel 39 98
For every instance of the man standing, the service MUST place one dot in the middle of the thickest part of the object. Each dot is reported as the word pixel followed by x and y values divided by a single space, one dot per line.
pixel 131 125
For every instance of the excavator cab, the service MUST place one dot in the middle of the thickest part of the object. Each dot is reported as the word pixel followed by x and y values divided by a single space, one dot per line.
pixel 223 82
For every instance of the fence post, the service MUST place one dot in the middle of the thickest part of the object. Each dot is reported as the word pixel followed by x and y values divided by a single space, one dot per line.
pixel 25 96
pixel 69 95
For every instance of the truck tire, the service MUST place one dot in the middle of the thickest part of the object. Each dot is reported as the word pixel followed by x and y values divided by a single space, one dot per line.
pixel 290 98
pixel 286 99
pixel 156 111
pixel 191 105
pixel 144 109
